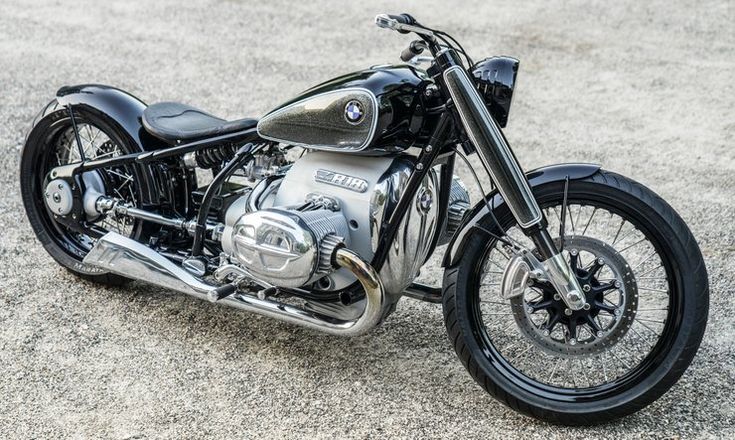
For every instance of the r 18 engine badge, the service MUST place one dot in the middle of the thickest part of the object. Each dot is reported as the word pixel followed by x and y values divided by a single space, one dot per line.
pixel 342 180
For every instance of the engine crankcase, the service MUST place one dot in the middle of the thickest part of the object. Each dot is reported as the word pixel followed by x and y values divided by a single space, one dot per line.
pixel 368 190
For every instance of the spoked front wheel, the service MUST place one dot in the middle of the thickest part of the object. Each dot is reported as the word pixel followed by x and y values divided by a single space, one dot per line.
pixel 643 276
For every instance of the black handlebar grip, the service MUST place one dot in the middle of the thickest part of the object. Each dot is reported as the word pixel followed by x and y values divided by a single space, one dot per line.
pixel 413 49
pixel 407 54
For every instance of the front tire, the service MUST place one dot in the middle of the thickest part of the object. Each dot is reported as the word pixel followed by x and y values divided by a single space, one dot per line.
pixel 586 401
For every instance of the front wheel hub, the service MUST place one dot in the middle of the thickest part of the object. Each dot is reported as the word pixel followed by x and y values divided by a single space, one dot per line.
pixel 611 301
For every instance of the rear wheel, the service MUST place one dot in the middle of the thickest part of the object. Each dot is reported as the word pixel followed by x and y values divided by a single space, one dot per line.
pixel 52 143
pixel 646 283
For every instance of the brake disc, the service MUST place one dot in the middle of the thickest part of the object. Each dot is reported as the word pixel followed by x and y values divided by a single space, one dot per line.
pixel 544 318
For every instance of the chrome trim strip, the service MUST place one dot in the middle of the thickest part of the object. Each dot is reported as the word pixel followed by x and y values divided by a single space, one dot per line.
pixel 371 133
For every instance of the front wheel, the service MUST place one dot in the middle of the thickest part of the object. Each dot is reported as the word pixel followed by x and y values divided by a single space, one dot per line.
pixel 643 275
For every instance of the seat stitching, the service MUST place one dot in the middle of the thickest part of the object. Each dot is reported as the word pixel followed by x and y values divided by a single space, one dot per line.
pixel 186 111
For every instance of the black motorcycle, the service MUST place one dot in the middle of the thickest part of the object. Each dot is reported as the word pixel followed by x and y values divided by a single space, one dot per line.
pixel 571 293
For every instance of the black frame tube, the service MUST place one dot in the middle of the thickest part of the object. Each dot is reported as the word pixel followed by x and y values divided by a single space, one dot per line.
pixel 152 156
pixel 244 154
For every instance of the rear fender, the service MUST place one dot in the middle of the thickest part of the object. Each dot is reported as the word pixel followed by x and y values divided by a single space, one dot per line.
pixel 126 112
pixel 537 177
pixel 121 107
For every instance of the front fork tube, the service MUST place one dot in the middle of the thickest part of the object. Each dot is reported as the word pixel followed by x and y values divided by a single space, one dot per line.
pixel 499 161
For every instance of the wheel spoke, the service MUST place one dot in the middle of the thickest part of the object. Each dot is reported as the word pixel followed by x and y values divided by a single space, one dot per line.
pixel 647 327
pixel 585 373
pixel 589 221
pixel 651 320
pixel 649 271
pixel 485 301
pixel 653 290
pixel 497 265
pixel 633 245
pixel 604 369
pixel 620 360
pixel 553 371
pixel 530 346
pixel 643 260
pixel 617 234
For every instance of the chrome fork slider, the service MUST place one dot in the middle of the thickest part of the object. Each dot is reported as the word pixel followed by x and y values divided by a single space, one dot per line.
pixel 524 267
pixel 124 256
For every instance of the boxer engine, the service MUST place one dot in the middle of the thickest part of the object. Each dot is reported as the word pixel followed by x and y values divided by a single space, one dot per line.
pixel 285 231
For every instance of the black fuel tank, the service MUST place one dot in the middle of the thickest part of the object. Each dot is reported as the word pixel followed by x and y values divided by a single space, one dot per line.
pixel 373 111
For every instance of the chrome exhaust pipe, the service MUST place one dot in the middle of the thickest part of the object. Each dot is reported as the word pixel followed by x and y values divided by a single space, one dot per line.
pixel 124 256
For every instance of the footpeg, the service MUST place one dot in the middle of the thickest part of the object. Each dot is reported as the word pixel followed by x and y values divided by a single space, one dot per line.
pixel 221 292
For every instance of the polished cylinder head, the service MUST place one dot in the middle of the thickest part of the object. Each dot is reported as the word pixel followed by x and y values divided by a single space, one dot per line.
pixel 287 248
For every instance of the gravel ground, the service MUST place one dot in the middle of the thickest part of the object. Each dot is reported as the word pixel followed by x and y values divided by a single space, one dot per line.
pixel 645 88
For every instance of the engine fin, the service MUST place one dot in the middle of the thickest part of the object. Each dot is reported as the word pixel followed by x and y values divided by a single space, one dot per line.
pixel 326 249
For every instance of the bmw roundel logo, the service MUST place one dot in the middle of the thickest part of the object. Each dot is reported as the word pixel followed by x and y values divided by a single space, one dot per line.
pixel 354 112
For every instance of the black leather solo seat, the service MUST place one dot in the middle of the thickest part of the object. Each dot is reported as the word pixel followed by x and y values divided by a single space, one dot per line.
pixel 173 122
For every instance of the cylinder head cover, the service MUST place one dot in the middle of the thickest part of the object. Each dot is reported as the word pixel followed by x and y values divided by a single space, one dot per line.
pixel 287 248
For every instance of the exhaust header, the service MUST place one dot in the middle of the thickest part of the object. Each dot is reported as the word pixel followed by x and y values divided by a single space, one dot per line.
pixel 124 256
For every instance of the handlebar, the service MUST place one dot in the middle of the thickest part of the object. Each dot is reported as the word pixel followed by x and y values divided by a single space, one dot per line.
pixel 403 23
pixel 403 18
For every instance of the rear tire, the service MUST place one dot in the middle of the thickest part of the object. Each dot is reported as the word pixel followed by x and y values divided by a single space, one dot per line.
pixel 35 164
pixel 685 323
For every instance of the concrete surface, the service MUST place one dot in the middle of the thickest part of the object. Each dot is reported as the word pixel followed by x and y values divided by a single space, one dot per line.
pixel 645 88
